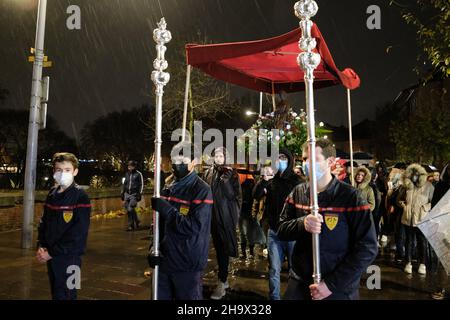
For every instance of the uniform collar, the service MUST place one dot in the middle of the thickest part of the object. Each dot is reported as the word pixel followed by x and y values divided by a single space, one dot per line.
pixel 55 192
pixel 330 191
pixel 183 181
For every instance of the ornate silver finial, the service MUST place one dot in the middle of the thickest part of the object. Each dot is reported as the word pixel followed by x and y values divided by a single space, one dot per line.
pixel 161 36
pixel 307 60
pixel 305 9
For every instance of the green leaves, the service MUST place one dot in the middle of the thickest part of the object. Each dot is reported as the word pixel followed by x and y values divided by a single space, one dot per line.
pixel 433 34
pixel 422 131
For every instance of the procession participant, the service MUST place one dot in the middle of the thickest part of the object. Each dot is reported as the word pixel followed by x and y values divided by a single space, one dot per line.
pixel 227 196
pixel 185 210
pixel 347 241
pixel 415 200
pixel 63 228
pixel 275 191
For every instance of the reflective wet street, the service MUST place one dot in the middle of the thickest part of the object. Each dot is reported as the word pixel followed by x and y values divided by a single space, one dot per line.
pixel 115 263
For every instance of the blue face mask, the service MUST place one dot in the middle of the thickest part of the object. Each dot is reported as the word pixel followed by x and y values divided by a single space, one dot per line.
pixel 282 165
pixel 319 172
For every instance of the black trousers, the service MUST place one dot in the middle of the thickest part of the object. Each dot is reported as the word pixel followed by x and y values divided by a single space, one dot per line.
pixel 180 286
pixel 377 219
pixel 299 290
pixel 223 259
pixel 414 233
pixel 130 205
pixel 58 273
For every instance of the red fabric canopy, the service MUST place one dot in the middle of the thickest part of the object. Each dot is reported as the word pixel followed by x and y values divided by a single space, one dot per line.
pixel 261 64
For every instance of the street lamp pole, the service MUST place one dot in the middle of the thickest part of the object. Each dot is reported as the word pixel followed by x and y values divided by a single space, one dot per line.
pixel 33 129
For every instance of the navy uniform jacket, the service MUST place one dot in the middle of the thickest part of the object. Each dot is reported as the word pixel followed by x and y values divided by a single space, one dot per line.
pixel 348 242
pixel 64 226
pixel 185 225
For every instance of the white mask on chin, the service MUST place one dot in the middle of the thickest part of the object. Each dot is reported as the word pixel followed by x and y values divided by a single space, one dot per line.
pixel 64 179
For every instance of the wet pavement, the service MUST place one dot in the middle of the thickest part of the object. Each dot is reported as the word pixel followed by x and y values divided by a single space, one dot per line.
pixel 114 266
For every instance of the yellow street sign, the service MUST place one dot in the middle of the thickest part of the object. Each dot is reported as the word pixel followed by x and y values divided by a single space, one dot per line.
pixel 47 64
pixel 31 58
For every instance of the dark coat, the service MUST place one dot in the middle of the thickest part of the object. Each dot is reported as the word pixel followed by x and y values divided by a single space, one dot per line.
pixel 247 198
pixel 63 228
pixel 348 243
pixel 227 196
pixel 276 191
pixel 441 187
pixel 185 225
pixel 133 184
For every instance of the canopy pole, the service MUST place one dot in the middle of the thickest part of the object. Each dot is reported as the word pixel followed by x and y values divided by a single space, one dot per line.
pixel 186 100
pixel 160 79
pixel 350 135
pixel 260 103
pixel 274 106
pixel 308 61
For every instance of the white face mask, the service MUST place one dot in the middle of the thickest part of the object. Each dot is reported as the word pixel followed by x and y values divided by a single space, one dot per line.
pixel 64 179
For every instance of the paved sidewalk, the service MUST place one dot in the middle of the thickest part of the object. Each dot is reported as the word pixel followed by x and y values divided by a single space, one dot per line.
pixel 114 266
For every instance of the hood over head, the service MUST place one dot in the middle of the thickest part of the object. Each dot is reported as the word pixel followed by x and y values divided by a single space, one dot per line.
pixel 411 170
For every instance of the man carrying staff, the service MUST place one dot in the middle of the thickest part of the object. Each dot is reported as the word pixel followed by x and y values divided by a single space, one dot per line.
pixel 348 242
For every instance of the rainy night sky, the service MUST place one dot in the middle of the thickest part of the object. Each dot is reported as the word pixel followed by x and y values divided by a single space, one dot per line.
pixel 105 66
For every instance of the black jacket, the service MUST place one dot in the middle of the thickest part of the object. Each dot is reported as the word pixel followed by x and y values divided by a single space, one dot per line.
pixel 441 187
pixel 133 184
pixel 185 225
pixel 227 195
pixel 439 191
pixel 64 225
pixel 276 191
pixel 247 198
pixel 348 243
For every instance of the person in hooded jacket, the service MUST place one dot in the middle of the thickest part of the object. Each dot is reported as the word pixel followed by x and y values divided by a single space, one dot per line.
pixel 376 212
pixel 227 195
pixel 441 188
pixel 362 183
pixel 393 213
pixel 276 190
pixel 339 170
pixel 185 207
pixel 415 200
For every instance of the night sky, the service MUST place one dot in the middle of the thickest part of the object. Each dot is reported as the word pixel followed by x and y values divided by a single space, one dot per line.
pixel 106 65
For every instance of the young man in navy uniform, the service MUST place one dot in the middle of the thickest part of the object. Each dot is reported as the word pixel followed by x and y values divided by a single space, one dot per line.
pixel 348 243
pixel 63 228
pixel 185 210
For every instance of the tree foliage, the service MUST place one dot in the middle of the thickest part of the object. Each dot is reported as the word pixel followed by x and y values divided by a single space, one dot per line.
pixel 118 137
pixel 13 143
pixel 422 131
pixel 431 20
pixel 209 99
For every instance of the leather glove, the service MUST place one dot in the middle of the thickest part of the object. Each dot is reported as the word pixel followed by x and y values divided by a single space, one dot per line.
pixel 161 205
pixel 226 175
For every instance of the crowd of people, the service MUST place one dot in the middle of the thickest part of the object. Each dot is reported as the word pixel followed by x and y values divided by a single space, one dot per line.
pixel 375 209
